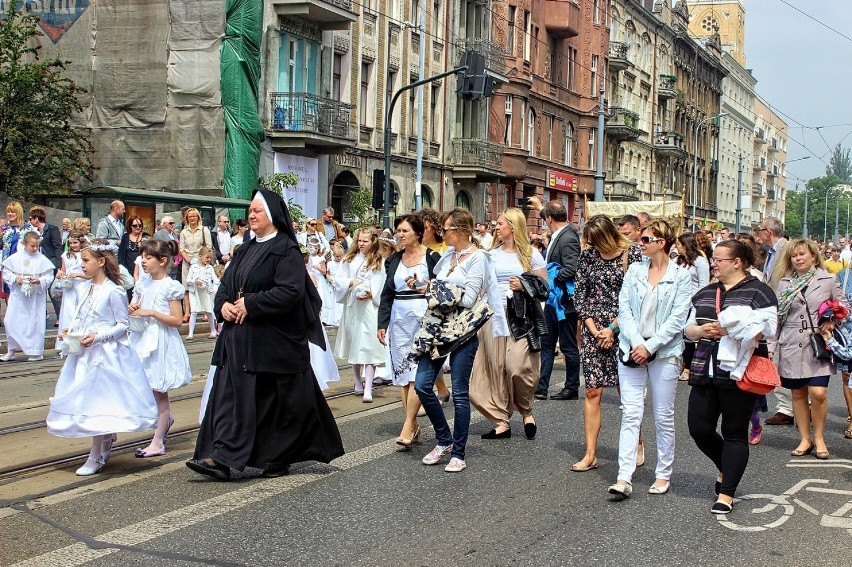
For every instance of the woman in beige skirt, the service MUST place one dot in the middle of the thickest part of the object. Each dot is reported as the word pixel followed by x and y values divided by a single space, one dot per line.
pixel 505 371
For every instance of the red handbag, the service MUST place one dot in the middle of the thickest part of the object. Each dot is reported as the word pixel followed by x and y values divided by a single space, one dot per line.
pixel 761 376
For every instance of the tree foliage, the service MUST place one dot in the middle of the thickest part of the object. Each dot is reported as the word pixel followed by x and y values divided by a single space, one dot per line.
pixel 278 183
pixel 826 203
pixel 40 149
pixel 840 164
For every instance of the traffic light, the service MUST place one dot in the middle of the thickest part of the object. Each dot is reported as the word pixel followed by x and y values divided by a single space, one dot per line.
pixel 378 189
pixel 474 83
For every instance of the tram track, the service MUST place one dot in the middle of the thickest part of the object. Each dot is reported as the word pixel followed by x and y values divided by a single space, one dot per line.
pixel 10 473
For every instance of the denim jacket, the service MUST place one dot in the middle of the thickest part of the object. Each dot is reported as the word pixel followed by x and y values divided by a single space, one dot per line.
pixel 674 302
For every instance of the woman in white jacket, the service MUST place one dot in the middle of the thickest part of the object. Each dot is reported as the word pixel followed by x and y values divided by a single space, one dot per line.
pixel 359 288
pixel 653 307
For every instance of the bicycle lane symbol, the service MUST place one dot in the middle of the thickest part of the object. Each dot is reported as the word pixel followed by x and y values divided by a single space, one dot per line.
pixel 782 506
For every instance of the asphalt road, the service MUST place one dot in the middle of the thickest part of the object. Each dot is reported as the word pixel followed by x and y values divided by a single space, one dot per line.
pixel 516 504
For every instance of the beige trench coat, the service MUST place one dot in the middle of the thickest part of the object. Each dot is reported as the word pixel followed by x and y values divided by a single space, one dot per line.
pixel 794 355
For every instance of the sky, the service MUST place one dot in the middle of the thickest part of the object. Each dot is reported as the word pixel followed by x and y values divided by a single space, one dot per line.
pixel 804 70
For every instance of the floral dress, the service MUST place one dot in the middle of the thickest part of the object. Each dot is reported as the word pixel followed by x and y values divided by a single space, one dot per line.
pixel 596 297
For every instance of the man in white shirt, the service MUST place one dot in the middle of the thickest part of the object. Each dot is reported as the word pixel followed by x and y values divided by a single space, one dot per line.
pixel 222 240
pixel 110 227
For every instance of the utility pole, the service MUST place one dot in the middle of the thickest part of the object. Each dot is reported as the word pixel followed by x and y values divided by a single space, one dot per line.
pixel 837 219
pixel 825 216
pixel 739 194
pixel 599 175
pixel 418 182
pixel 805 219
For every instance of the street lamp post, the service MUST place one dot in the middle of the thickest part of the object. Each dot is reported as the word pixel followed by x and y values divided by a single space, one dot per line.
pixel 695 164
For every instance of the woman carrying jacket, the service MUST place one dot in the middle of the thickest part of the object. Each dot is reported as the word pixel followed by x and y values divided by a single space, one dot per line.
pixel 402 306
pixel 506 369
pixel 803 286
pixel 718 309
pixel 653 306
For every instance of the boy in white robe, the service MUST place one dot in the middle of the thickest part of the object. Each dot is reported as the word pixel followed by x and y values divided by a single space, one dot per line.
pixel 28 273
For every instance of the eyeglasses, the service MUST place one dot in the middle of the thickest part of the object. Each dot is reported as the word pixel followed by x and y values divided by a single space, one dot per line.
pixel 170 222
pixel 723 259
pixel 650 239
pixel 755 231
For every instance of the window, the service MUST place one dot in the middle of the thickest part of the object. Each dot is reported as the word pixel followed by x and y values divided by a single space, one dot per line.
pixel 389 95
pixel 511 34
pixel 336 64
pixel 291 68
pixel 507 134
pixel 523 130
pixel 463 200
pixel 527 34
pixel 549 137
pixel 534 40
pixel 568 157
pixel 531 131
pixel 412 112
pixel 415 12
pixel 433 119
pixel 555 63
pixel 570 72
pixel 436 14
pixel 591 149
pixel 366 71
pixel 596 11
pixel 593 86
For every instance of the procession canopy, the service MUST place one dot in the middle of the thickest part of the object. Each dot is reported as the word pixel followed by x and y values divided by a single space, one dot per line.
pixel 657 209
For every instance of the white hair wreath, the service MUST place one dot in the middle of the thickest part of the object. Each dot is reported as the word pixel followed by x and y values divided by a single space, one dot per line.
pixel 108 247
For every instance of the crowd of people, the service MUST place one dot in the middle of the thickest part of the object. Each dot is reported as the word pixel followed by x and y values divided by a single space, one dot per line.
pixel 631 302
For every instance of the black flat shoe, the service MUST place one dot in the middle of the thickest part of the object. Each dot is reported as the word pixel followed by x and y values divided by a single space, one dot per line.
pixel 721 507
pixel 275 473
pixel 530 429
pixel 494 435
pixel 565 394
pixel 222 473
pixel 543 396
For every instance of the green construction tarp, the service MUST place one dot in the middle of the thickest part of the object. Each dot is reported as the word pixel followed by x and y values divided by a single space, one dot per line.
pixel 240 71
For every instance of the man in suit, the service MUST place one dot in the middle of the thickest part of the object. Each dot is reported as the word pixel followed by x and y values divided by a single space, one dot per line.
pixel 110 227
pixel 51 246
pixel 564 250
pixel 166 233
pixel 771 235
pixel 222 240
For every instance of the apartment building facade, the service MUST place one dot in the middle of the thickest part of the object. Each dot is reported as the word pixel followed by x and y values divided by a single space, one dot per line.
pixel 769 165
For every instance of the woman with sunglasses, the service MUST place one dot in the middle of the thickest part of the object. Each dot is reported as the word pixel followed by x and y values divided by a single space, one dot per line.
pixel 131 241
pixel 653 306
pixel 714 392
pixel 310 233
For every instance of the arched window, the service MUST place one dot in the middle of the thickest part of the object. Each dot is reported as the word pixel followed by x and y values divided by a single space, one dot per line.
pixel 426 196
pixel 463 200
pixel 531 131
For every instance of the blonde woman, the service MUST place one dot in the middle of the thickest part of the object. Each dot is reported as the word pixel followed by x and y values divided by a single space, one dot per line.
pixel 359 287
pixel 193 236
pixel 600 273
pixel 803 286
pixel 309 233
pixel 506 369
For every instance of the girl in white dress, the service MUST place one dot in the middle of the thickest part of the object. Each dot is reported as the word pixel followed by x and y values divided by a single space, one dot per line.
pixel 155 316
pixel 359 289
pixel 333 270
pixel 322 361
pixel 102 388
pixel 72 269
pixel 202 283
pixel 28 275
pixel 318 270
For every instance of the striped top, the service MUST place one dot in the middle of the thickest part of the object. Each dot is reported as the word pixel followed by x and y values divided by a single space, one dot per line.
pixel 750 292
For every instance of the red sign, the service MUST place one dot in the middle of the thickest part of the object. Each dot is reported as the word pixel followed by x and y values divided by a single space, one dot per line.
pixel 561 181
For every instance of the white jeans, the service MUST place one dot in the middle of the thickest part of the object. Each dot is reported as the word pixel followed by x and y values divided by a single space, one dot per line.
pixel 661 376
pixel 785 401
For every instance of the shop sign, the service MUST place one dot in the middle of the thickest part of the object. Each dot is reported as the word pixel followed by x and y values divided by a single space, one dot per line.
pixel 561 181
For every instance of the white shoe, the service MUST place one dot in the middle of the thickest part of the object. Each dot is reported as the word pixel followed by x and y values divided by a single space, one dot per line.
pixel 436 454
pixel 621 489
pixel 368 397
pixel 656 489
pixel 92 466
pixel 35 358
pixel 189 337
pixel 8 357
pixel 455 465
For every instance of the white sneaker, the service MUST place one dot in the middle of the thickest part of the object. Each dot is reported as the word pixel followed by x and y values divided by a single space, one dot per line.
pixel 368 397
pixel 436 454
pixel 35 358
pixel 455 465
pixel 9 356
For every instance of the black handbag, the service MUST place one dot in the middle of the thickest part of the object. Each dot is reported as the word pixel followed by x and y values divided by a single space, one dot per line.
pixel 630 363
pixel 816 340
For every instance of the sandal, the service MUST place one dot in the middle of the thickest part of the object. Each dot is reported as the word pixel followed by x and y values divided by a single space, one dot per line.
pixel 848 433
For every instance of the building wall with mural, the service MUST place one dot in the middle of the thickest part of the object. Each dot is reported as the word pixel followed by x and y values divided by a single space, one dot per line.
pixel 151 71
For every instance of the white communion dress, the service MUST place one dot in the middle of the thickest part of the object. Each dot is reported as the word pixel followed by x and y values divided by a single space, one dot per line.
pixel 102 389
pixel 24 320
pixel 357 342
pixel 159 346
pixel 73 264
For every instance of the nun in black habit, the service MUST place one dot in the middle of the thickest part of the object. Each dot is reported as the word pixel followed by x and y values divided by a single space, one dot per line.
pixel 265 408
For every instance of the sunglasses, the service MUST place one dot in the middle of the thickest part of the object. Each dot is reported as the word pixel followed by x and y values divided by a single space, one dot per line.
pixel 312 224
pixel 650 239
pixel 449 228
pixel 135 225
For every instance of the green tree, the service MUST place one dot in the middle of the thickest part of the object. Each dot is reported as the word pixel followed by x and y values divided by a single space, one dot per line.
pixel 795 207
pixel 840 164
pixel 821 195
pixel 40 149
pixel 278 183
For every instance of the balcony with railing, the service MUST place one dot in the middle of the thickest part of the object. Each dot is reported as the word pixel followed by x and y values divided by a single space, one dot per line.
pixel 757 190
pixel 666 87
pixel 622 124
pixel 760 136
pixel 494 54
pixel 621 190
pixel 771 196
pixel 714 165
pixel 670 144
pixel 618 52
pixel 301 120
pixel 476 158
pixel 562 18
pixel 760 164
pixel 328 14
pixel 773 145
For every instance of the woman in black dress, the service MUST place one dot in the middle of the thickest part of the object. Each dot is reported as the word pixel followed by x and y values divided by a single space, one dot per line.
pixel 266 410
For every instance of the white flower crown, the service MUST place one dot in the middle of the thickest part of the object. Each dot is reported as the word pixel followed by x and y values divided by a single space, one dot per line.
pixel 108 247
